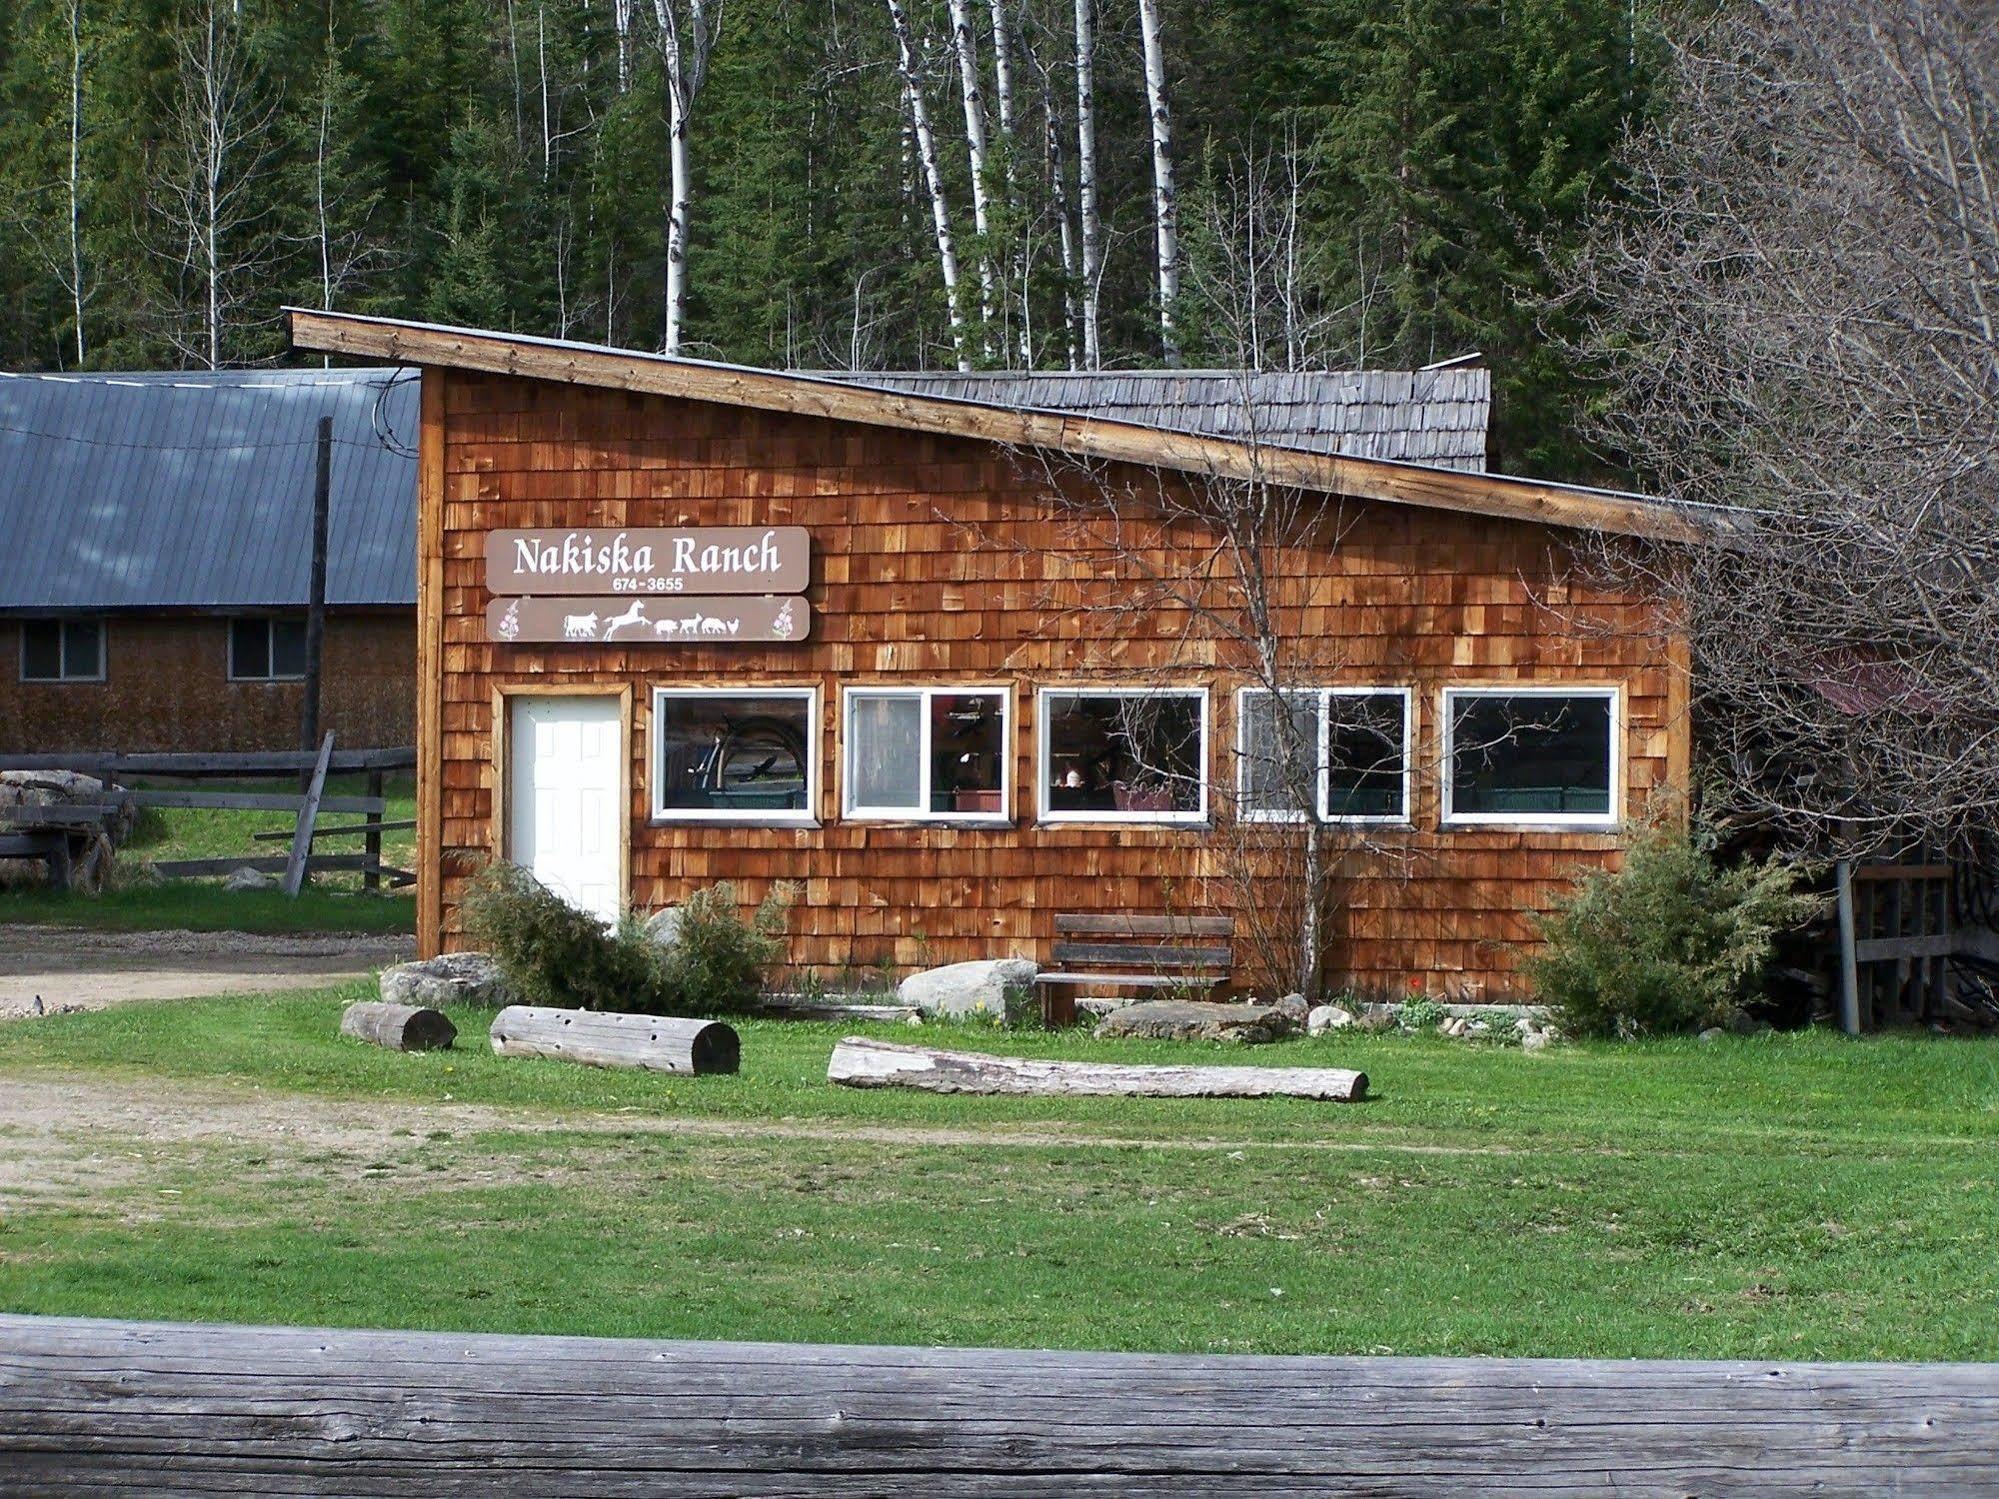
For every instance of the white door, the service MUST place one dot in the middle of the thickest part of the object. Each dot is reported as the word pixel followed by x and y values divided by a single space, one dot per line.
pixel 565 810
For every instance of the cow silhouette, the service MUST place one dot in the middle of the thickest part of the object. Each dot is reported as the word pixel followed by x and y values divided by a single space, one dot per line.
pixel 579 627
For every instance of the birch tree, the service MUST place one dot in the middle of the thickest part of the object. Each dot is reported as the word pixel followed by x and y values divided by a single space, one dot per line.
pixel 1086 179
pixel 210 191
pixel 965 44
pixel 688 31
pixel 1165 200
pixel 925 141
pixel 73 282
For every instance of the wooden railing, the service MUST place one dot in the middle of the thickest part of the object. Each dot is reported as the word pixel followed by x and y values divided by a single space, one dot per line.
pixel 93 1406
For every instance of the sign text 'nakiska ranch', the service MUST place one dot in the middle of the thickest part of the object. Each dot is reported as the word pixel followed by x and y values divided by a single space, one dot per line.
pixel 701 559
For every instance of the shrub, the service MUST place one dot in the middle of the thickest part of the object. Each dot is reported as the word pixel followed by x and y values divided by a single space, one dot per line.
pixel 555 954
pixel 1672 942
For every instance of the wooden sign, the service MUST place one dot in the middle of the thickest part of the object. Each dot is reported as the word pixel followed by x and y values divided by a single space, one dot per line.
pixel 675 620
pixel 699 559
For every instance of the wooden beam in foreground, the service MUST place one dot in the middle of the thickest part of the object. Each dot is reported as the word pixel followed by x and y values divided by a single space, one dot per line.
pixel 88 1407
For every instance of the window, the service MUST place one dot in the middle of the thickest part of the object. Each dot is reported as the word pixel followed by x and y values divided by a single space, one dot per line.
pixel 1124 756
pixel 927 752
pixel 1353 744
pixel 266 650
pixel 1516 754
pixel 62 650
pixel 735 756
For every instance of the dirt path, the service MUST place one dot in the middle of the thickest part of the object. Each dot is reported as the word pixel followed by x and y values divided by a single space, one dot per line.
pixel 72 969
pixel 63 1135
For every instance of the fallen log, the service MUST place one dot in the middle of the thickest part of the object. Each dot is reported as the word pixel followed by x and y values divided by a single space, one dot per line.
pixel 113 1407
pixel 860 1063
pixel 602 1039
pixel 398 1027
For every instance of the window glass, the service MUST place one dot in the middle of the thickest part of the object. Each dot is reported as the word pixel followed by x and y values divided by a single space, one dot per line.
pixel 83 648
pixel 287 647
pixel 41 650
pixel 729 753
pixel 1365 754
pixel 1132 754
pixel 1520 754
pixel 249 648
pixel 967 753
pixel 885 750
pixel 1279 778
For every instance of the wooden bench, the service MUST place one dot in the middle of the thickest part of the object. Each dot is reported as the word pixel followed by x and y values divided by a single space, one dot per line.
pixel 1132 952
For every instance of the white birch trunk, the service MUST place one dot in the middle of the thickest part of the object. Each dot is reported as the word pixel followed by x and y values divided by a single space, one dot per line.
pixel 1023 268
pixel 541 69
pixel 1165 200
pixel 75 18
pixel 1058 196
pixel 1086 177
pixel 966 45
pixel 621 23
pixel 926 153
pixel 685 45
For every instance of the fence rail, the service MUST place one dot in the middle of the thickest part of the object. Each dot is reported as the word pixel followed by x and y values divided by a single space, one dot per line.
pixel 88 1406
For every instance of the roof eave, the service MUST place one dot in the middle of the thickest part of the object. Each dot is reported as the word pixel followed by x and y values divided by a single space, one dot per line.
pixel 1080 436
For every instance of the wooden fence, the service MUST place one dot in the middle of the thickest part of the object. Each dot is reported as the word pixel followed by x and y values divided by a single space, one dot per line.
pixel 66 835
pixel 90 1406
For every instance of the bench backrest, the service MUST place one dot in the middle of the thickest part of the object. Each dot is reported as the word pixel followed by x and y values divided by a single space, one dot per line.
pixel 1195 945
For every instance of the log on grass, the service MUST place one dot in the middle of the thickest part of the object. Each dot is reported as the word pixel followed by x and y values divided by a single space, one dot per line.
pixel 860 1063
pixel 398 1027
pixel 597 1038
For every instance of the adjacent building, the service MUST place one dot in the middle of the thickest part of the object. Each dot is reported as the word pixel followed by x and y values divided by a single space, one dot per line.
pixel 157 559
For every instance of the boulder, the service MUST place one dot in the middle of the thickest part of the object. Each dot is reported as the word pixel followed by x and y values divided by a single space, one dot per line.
pixel 453 978
pixel 1534 1041
pixel 1196 1020
pixel 247 878
pixel 995 988
pixel 663 927
pixel 1325 1018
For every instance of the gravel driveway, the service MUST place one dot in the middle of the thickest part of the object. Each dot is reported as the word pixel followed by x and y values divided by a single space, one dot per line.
pixel 71 969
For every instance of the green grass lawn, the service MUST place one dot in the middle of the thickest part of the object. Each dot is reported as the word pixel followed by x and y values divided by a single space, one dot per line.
pixel 333 903
pixel 1802 1196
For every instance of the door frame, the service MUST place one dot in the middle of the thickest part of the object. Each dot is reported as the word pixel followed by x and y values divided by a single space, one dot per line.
pixel 503 733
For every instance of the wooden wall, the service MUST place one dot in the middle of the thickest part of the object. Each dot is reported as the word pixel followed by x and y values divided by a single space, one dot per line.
pixel 937 561
pixel 166 687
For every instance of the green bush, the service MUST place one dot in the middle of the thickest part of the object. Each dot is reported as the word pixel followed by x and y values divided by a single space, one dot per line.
pixel 1672 942
pixel 555 954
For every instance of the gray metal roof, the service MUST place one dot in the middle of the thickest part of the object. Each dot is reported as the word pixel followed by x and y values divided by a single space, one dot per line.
pixel 194 490
pixel 1435 417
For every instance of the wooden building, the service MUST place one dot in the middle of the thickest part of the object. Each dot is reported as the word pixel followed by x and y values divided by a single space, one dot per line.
pixel 681 623
pixel 154 581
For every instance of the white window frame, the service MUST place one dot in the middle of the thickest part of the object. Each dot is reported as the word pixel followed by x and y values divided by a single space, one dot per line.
pixel 806 816
pixel 64 676
pixel 1324 778
pixel 270 624
pixel 921 812
pixel 1045 813
pixel 1447 733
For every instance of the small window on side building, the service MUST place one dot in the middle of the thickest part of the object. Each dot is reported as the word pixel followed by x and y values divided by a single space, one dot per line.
pixel 266 649
pixel 62 650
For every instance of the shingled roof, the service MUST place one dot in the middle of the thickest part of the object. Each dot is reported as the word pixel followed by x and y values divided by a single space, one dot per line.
pixel 1436 417
pixel 194 490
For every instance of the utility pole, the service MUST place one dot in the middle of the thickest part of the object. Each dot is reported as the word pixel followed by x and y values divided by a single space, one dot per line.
pixel 315 609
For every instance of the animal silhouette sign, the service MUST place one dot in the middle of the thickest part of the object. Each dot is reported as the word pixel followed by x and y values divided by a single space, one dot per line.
pixel 677 619
pixel 649 560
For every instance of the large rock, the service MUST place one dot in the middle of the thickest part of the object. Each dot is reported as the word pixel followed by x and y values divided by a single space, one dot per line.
pixel 453 978
pixel 1328 1018
pixel 247 878
pixel 1197 1020
pixel 663 928
pixel 995 988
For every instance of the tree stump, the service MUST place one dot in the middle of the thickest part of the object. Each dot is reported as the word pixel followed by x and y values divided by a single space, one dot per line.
pixel 398 1027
